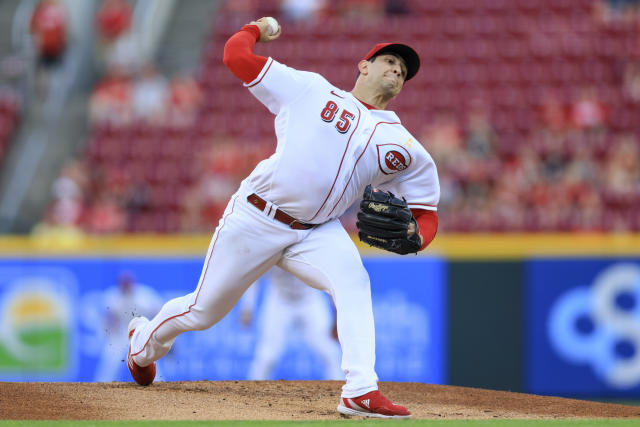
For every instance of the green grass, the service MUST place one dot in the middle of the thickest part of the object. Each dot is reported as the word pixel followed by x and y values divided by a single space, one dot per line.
pixel 354 422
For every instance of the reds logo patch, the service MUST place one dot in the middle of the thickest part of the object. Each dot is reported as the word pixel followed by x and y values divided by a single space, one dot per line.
pixel 393 158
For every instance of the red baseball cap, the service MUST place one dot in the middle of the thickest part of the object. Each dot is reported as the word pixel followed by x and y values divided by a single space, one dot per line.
pixel 407 53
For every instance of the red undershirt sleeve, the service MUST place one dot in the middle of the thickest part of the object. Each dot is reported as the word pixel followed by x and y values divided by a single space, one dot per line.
pixel 427 225
pixel 239 56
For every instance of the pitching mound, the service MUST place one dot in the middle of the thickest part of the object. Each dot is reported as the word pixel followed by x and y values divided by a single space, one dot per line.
pixel 276 400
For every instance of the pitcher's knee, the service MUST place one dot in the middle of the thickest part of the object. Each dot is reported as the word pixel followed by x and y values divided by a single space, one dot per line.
pixel 358 280
pixel 202 319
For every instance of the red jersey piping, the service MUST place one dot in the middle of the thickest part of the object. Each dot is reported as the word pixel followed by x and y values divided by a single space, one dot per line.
pixel 359 157
pixel 339 167
pixel 263 74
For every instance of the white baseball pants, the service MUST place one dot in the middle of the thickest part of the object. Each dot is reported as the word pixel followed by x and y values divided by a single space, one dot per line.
pixel 245 245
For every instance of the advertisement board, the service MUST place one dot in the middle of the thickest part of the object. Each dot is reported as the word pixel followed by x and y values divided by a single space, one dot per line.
pixel 583 327
pixel 62 320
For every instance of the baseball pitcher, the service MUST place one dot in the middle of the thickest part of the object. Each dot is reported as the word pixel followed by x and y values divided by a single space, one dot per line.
pixel 334 147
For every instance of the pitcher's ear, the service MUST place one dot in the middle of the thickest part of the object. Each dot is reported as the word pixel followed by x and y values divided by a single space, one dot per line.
pixel 363 67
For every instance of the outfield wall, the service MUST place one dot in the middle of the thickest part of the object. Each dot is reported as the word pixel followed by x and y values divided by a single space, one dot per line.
pixel 548 314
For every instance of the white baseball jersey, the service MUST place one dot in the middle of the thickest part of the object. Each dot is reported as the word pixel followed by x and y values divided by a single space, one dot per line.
pixel 373 148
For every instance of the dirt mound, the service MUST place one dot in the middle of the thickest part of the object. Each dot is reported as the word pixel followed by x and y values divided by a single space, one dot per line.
pixel 275 400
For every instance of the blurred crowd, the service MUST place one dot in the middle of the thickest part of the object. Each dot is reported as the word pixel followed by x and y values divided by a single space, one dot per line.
pixel 625 12
pixel 125 96
pixel 568 173
pixel 310 10
pixel 153 163
pixel 132 89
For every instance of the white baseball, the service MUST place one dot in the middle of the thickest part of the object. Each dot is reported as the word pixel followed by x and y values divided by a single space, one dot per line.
pixel 273 25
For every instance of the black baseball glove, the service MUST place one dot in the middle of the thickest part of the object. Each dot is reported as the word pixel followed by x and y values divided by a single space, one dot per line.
pixel 383 222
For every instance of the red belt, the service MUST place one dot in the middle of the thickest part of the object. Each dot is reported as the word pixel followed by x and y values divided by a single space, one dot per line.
pixel 281 216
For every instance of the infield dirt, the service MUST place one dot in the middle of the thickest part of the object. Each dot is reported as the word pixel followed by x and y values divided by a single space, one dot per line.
pixel 276 400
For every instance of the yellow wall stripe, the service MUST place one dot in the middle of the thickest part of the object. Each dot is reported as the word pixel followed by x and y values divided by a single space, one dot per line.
pixel 452 245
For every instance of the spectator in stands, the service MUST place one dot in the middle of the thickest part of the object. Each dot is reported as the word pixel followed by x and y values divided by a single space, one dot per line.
pixel 138 195
pixel 191 219
pixel 125 53
pixel 303 10
pixel 444 140
pixel 49 31
pixel 220 171
pixel 588 214
pixel 507 202
pixel 587 111
pixel 444 135
pixel 631 81
pixel 579 179
pixel 150 95
pixel 552 113
pixel 622 172
pixel 185 99
pixel 113 21
pixel 111 100
pixel 553 156
pixel 62 221
pixel 218 181
pixel 624 11
pixel 481 138
pixel 105 215
pixel 72 182
pixel 366 10
pixel 69 191
pixel 478 163
pixel 67 212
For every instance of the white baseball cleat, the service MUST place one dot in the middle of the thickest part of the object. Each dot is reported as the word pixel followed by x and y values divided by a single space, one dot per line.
pixel 372 404
pixel 143 375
